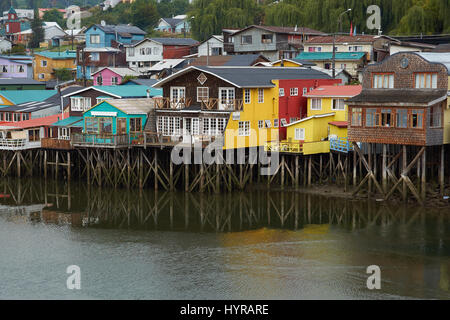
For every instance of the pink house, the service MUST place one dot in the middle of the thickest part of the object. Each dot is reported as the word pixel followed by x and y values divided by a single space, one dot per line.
pixel 110 76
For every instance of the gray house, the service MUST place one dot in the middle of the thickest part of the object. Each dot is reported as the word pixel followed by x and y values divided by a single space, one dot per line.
pixel 272 42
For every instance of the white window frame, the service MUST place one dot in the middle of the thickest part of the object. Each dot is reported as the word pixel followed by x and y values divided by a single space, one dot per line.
pixel 281 92
pixel 44 63
pixel 247 96
pixel 95 38
pixel 176 98
pixel 224 104
pixel 244 128
pixel 299 134
pixel 260 124
pixel 293 92
pixel 260 95
pixel 341 107
pixel 316 106
pixel 276 123
pixel 305 91
pixel 206 98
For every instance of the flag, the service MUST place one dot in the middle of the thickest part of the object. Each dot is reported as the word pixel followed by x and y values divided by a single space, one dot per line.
pixel 351 28
pixel 354 31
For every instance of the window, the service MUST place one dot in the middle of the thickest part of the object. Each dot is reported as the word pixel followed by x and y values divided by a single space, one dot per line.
pixel 131 52
pixel 426 80
pixel 80 103
pixel 202 94
pixel 417 119
pixel 343 65
pixel 268 123
pixel 386 118
pixel 355 48
pixel 135 124
pixel 275 123
pixel 177 95
pixel 246 39
pixel 34 135
pixel 95 38
pixel 315 49
pixel 206 126
pixel 260 95
pixel 7 116
pixel 292 120
pixel 316 104
pixel 260 124
pixel 267 38
pixel 305 91
pixel 371 118
pixel 294 92
pixel 283 122
pixel 101 99
pixel 43 63
pixel 142 51
pixel 247 96
pixel 338 104
pixel 63 133
pixel 114 80
pixel 148 51
pixel 16 117
pixel 221 125
pixel 300 134
pixel 105 125
pixel 244 128
pixel 20 69
pixel 435 116
pixel 402 118
pixel 356 116
pixel 383 81
pixel 281 92
pixel 195 126
pixel 95 56
pixel 99 80
pixel 226 98
pixel 3 69
pixel 91 125
pixel 41 76
pixel 25 116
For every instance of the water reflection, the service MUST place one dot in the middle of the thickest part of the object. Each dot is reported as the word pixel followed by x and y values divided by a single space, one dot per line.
pixel 260 232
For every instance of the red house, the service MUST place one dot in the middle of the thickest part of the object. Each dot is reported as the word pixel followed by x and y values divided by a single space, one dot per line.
pixel 12 24
pixel 292 105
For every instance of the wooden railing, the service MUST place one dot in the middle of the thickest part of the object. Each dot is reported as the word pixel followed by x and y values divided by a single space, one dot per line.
pixel 207 104
pixel 280 146
pixel 54 143
pixel 340 145
pixel 93 139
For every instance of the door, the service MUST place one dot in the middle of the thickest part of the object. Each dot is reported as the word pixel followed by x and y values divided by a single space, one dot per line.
pixel 226 98
pixel 187 130
pixel 121 126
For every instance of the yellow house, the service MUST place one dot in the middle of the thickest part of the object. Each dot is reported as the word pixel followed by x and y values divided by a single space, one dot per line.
pixel 326 123
pixel 292 63
pixel 46 62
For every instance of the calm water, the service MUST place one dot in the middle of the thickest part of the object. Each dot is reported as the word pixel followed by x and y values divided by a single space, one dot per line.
pixel 254 245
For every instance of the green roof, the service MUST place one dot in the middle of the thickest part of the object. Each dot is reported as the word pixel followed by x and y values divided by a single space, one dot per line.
pixel 22 96
pixel 137 91
pixel 314 56
pixel 58 55
pixel 12 11
pixel 69 122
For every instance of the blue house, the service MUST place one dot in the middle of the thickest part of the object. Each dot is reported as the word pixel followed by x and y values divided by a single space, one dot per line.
pixel 105 47
pixel 178 24
pixel 115 123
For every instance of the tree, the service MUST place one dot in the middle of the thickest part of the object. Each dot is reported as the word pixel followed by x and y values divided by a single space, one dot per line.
pixel 55 16
pixel 63 74
pixel 38 31
pixel 144 13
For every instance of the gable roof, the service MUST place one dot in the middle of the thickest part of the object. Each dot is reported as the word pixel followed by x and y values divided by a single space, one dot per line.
pixel 22 96
pixel 123 72
pixel 133 106
pixel 173 22
pixel 299 62
pixel 175 41
pixel 142 82
pixel 284 30
pixel 137 91
pixel 250 77
pixel 317 56
pixel 122 29
pixel 55 55
pixel 244 60
pixel 165 64
pixel 335 91
pixel 72 121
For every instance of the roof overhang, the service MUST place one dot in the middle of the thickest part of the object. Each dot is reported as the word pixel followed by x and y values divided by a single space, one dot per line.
pixel 317 116
pixel 91 88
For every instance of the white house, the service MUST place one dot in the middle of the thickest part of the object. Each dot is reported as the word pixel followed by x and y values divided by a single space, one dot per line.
pixel 5 45
pixel 144 54
pixel 215 46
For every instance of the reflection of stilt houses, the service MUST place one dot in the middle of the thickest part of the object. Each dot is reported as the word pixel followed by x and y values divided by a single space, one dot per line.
pixel 403 107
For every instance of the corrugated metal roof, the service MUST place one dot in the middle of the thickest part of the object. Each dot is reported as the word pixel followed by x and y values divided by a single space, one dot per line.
pixel 19 81
pixel 130 91
pixel 22 96
pixel 176 41
pixel 252 77
pixel 335 91
pixel 120 71
pixel 55 55
pixel 133 106
pixel 314 56
pixel 69 122
pixel 119 28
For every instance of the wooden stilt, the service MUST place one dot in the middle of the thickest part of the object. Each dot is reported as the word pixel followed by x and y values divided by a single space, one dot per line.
pixel 441 170
pixel 384 171
pixel 424 168
pixel 309 169
pixel 404 164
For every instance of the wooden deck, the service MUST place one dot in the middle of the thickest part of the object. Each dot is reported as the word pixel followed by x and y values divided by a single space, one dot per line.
pixel 58 144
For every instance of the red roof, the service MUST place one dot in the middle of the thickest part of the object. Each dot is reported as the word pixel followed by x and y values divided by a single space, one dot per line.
pixel 335 91
pixel 339 124
pixel 37 122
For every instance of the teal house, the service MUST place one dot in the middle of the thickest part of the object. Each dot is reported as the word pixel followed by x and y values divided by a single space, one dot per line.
pixel 115 122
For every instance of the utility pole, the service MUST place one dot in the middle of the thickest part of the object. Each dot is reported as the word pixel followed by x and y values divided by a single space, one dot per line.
pixel 334 41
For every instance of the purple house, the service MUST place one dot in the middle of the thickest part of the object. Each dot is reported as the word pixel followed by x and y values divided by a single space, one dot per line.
pixel 16 67
pixel 110 76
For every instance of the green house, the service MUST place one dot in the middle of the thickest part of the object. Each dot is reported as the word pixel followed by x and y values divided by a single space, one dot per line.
pixel 115 122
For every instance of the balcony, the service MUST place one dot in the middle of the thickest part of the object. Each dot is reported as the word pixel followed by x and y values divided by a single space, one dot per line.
pixel 102 140
pixel 340 145
pixel 18 144
pixel 283 146
pixel 207 104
